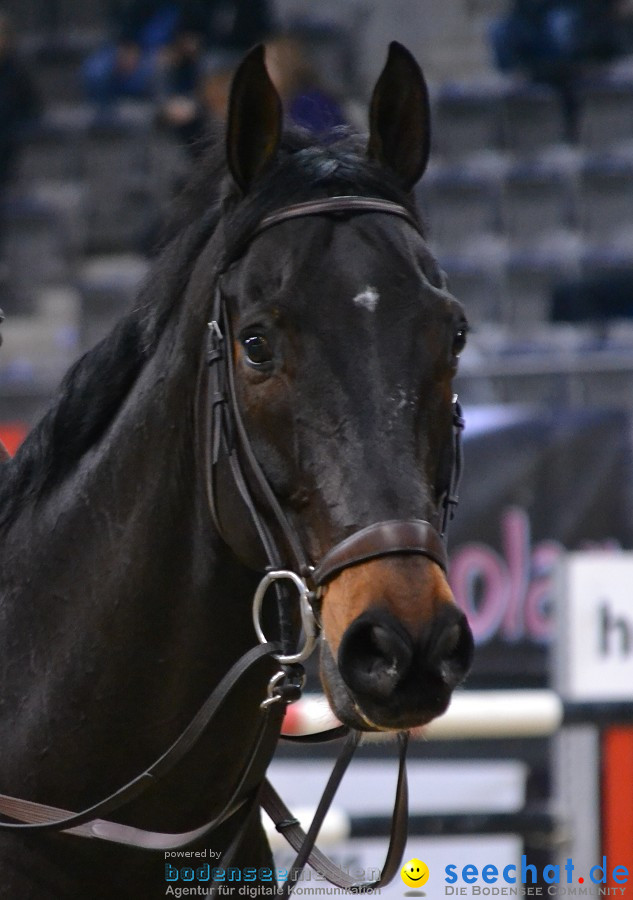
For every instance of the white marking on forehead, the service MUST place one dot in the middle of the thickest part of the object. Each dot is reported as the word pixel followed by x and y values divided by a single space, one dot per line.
pixel 368 298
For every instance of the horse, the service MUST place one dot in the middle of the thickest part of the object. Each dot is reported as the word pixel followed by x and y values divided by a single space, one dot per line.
pixel 278 403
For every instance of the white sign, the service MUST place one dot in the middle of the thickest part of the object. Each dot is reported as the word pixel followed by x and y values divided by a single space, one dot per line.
pixel 595 634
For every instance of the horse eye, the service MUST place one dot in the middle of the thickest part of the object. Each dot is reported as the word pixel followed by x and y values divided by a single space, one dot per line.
pixel 459 341
pixel 257 349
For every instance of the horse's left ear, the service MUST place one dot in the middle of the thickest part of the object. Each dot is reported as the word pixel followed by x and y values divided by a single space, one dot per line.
pixel 399 117
pixel 254 120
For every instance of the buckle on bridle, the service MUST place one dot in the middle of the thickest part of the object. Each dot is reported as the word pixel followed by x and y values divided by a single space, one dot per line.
pixel 215 343
pixel 285 686
pixel 308 621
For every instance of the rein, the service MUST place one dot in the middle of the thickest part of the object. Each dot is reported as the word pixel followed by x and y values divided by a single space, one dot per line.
pixel 237 492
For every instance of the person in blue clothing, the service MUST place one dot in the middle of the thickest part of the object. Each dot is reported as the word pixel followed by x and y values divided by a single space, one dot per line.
pixel 539 34
pixel 157 45
pixel 307 102
pixel 550 41
pixel 128 65
pixel 212 29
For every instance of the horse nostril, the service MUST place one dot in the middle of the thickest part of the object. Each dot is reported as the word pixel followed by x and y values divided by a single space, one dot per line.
pixel 375 656
pixel 452 652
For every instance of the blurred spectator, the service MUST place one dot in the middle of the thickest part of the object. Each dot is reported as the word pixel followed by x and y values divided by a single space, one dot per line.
pixel 307 103
pixel 193 118
pixel 537 35
pixel 209 33
pixel 19 102
pixel 129 65
pixel 550 41
pixel 159 45
pixel 229 25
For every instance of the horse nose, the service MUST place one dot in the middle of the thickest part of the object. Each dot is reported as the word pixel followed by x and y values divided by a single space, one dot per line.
pixel 378 658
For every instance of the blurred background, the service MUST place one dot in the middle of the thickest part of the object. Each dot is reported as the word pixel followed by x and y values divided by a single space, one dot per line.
pixel 104 108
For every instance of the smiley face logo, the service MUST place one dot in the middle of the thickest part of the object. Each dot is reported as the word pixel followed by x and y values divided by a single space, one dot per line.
pixel 415 873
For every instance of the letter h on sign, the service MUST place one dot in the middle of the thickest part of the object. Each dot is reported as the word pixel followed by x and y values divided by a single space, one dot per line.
pixel 615 632
pixel 595 627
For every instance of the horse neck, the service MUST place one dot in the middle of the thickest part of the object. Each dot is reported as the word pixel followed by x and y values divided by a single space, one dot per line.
pixel 126 606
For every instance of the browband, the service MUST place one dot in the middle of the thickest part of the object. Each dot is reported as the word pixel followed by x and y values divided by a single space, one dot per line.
pixel 340 205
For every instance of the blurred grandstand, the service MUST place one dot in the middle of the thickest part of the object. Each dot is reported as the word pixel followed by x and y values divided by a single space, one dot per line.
pixel 514 210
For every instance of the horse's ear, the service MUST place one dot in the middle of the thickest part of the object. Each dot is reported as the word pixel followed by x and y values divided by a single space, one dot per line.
pixel 254 120
pixel 399 117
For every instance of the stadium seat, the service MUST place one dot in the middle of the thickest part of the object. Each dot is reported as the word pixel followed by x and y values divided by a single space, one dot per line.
pixel 460 206
pixel 530 278
pixel 536 201
pixel 466 120
pixel 34 251
pixel 107 285
pixel 531 119
pixel 606 112
pixel 115 172
pixel 478 284
pixel 605 200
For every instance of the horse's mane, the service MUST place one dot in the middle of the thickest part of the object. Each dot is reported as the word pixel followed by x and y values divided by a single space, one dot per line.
pixel 97 384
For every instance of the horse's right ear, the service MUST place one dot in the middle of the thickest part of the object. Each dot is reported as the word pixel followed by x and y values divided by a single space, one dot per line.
pixel 254 120
pixel 399 118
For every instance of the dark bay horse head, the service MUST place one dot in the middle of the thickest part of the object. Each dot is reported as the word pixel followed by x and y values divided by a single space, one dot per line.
pixel 345 344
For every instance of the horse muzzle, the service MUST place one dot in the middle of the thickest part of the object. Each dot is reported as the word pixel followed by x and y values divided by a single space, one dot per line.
pixel 396 645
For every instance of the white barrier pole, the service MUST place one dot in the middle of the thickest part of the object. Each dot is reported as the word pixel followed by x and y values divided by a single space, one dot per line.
pixel 471 715
pixel 498 714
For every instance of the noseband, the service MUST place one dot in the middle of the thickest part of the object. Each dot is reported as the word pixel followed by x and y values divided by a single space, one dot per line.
pixel 249 504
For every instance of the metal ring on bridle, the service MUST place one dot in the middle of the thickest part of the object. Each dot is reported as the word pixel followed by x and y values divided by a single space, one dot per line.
pixel 308 621
pixel 274 696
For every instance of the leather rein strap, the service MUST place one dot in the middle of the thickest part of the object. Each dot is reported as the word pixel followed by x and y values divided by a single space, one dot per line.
pixel 303 842
pixel 39 817
pixel 225 437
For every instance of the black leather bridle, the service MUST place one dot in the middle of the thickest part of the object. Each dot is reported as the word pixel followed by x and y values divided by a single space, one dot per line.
pixel 241 500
